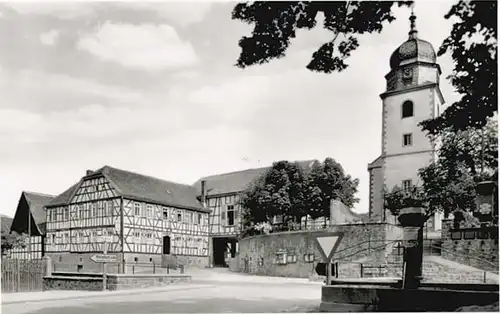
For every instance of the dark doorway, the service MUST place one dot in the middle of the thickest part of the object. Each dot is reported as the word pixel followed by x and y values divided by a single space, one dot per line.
pixel 166 245
pixel 221 247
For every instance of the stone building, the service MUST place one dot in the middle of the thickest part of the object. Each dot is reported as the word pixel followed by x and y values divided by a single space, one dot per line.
pixel 412 95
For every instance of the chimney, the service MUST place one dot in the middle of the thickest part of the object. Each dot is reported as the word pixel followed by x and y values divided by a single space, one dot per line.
pixel 204 193
pixel 89 172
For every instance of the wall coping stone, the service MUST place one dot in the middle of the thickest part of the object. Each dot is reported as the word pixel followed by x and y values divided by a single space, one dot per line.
pixel 148 276
pixel 73 278
pixel 329 229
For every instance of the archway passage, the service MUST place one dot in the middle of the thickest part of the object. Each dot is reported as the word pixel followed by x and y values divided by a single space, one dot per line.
pixel 166 245
pixel 222 248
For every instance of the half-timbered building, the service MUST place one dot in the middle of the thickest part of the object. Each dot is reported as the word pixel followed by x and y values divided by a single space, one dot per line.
pixel 29 220
pixel 222 193
pixel 141 219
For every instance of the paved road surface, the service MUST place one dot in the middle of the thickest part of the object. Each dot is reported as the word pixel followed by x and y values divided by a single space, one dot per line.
pixel 208 294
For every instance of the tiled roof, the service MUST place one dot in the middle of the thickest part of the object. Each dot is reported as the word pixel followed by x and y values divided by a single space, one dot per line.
pixel 234 182
pixel 64 197
pixel 140 187
pixel 37 202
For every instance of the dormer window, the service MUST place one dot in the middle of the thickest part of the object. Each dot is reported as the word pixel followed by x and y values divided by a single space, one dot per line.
pixel 407 109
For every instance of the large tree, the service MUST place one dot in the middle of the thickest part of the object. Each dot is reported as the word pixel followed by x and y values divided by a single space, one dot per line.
pixel 287 190
pixel 279 192
pixel 328 181
pixel 474 75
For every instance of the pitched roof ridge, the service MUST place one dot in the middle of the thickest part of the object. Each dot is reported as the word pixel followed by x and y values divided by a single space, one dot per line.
pixel 144 175
pixel 39 194
pixel 233 172
pixel 249 169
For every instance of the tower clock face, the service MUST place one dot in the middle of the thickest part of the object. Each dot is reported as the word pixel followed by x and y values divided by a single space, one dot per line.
pixel 408 74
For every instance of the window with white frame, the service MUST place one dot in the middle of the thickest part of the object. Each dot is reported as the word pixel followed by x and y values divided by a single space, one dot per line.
pixel 179 216
pixel 109 211
pixel 137 209
pixel 149 211
pixel 406 185
pixel 407 139
pixel 165 213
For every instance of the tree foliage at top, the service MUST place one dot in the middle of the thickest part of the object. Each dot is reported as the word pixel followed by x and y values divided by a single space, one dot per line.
pixel 287 190
pixel 280 191
pixel 475 73
pixel 328 181
pixel 276 23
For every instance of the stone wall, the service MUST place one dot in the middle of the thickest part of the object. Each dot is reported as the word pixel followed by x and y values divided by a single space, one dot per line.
pixel 476 247
pixel 122 282
pixel 72 283
pixel 366 297
pixel 114 281
pixel 435 272
pixel 261 254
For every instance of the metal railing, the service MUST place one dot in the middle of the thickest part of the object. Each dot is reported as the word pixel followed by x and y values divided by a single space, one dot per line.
pixel 152 268
pixel 369 248
pixel 469 257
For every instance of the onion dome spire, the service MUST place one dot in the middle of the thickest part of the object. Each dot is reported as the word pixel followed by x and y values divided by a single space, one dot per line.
pixel 413 29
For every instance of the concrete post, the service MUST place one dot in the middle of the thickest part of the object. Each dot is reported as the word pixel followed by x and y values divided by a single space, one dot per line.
pixel 412 219
pixel 48 265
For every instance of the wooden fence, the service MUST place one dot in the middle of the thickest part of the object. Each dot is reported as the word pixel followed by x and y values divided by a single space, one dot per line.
pixel 22 275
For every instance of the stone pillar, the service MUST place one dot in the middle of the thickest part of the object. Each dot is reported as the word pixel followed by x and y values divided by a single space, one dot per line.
pixel 210 252
pixel 412 219
pixel 48 265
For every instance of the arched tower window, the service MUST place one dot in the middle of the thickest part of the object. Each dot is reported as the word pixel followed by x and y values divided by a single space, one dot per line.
pixel 407 109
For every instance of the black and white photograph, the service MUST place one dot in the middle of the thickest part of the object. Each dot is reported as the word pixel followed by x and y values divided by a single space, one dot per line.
pixel 189 156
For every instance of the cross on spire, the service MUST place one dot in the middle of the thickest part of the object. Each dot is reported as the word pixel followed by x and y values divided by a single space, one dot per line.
pixel 413 29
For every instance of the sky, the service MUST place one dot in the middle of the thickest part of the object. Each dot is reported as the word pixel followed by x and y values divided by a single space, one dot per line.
pixel 151 87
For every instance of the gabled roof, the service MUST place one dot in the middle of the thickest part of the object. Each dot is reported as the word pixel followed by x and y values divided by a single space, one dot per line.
pixel 37 202
pixel 376 163
pixel 31 209
pixel 140 187
pixel 238 181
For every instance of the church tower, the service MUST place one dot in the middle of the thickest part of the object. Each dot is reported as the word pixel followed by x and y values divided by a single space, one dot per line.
pixel 412 95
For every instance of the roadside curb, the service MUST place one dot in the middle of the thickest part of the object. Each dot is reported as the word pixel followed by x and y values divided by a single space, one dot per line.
pixel 106 294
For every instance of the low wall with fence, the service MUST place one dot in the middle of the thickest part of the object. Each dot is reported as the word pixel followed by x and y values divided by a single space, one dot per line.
pixel 94 282
pixel 476 247
pixel 295 254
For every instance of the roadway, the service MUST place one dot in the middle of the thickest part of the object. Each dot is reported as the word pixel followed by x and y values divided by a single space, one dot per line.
pixel 212 293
